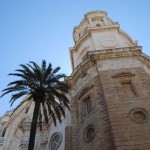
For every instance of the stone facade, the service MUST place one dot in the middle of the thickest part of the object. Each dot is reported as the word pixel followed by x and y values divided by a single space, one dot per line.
pixel 109 95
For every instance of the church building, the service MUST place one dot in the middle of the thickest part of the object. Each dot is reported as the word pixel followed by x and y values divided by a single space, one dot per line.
pixel 109 96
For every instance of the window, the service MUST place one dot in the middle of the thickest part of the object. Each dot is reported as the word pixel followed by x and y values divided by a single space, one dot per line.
pixel 125 80
pixel 55 141
pixel 88 106
pixel 89 133
pixel 128 89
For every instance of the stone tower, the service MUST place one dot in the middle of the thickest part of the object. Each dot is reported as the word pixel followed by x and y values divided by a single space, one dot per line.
pixel 110 87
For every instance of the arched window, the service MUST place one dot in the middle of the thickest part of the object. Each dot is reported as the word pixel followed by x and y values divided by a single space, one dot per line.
pixel 89 133
pixel 55 141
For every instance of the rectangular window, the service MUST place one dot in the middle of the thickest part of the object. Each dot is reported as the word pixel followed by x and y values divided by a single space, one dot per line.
pixel 128 89
pixel 88 106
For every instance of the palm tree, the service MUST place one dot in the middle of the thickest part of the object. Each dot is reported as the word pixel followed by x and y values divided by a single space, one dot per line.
pixel 42 85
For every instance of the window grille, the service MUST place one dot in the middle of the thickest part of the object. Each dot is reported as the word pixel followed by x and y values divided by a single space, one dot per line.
pixel 90 133
pixel 88 106
pixel 55 141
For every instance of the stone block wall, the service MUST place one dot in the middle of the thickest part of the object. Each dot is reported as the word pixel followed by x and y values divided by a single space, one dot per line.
pixel 128 113
pixel 96 119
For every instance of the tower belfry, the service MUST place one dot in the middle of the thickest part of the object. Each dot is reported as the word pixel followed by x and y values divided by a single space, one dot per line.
pixel 97 32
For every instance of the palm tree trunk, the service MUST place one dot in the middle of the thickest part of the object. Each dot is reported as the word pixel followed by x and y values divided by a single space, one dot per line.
pixel 34 125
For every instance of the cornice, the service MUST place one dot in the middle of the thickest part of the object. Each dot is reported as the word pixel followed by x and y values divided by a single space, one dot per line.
pixel 123 74
pixel 93 56
pixel 116 52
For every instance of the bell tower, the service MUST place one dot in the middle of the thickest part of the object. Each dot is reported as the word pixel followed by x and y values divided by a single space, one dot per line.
pixel 97 32
pixel 110 87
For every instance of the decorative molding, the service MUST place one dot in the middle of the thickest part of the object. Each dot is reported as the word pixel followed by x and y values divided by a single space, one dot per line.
pixel 122 74
pixel 139 115
pixel 106 54
pixel 85 90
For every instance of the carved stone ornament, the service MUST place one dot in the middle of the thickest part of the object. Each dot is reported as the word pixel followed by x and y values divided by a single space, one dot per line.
pixel 139 115
pixel 123 76
pixel 76 35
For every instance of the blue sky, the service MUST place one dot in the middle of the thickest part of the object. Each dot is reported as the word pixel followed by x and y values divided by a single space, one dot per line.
pixel 42 29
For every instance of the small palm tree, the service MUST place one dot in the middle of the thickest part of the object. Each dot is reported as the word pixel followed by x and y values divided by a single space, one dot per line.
pixel 42 85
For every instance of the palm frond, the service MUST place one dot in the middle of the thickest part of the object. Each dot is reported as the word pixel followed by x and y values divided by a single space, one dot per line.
pixel 56 70
pixel 47 72
pixel 58 114
pixel 51 113
pixel 14 97
pixel 43 66
pixel 37 70
pixel 45 112
pixel 61 108
pixel 59 76
pixel 22 102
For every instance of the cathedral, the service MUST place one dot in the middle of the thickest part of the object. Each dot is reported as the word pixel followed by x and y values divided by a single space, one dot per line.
pixel 109 96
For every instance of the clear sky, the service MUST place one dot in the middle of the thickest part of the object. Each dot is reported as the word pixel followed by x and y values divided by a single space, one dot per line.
pixel 42 29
